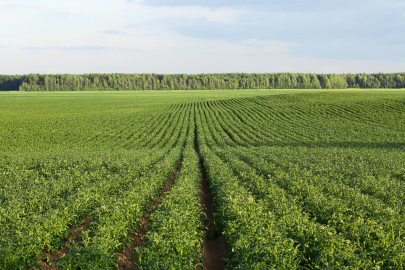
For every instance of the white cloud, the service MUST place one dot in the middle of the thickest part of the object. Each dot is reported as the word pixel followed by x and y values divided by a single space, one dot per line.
pixel 271 46
pixel 17 6
pixel 76 48
pixel 221 15
pixel 113 32
pixel 70 48
pixel 85 36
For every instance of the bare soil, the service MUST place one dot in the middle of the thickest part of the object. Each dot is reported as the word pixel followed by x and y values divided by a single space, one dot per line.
pixel 215 247
pixel 48 261
pixel 126 257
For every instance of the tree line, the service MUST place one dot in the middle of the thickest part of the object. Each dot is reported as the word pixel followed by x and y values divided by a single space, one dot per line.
pixel 89 82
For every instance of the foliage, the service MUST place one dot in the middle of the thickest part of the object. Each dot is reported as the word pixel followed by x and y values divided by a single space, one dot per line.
pixel 299 181
pixel 115 82
pixel 175 233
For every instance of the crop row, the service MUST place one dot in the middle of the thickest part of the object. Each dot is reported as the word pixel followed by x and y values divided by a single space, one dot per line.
pixel 299 181
pixel 44 196
pixel 336 215
pixel 175 233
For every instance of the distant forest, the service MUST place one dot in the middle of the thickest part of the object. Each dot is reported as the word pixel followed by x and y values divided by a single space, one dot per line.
pixel 116 82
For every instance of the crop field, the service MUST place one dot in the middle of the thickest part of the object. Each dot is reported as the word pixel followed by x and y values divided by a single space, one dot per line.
pixel 203 180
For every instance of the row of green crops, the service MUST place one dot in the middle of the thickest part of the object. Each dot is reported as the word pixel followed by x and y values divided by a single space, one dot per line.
pixel 101 165
pixel 175 234
pixel 250 230
pixel 328 173
pixel 299 181
pixel 108 233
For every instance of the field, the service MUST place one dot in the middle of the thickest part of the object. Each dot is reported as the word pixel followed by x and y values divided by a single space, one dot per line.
pixel 282 179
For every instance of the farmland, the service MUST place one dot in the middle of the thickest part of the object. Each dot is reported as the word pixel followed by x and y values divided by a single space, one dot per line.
pixel 294 179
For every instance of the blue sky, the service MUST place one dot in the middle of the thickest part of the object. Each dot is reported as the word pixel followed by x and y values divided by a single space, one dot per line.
pixel 191 36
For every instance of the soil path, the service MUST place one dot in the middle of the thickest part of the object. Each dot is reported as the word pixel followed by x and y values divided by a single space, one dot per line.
pixel 48 261
pixel 126 259
pixel 215 247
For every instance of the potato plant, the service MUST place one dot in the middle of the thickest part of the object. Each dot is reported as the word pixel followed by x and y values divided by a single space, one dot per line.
pixel 298 180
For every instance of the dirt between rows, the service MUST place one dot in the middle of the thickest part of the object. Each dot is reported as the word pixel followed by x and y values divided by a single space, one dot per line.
pixel 215 247
pixel 126 258
pixel 126 261
pixel 48 261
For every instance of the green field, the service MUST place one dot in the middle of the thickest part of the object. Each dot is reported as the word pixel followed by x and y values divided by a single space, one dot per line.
pixel 300 179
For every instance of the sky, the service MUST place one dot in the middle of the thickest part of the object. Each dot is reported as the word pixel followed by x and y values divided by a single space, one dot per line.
pixel 192 36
